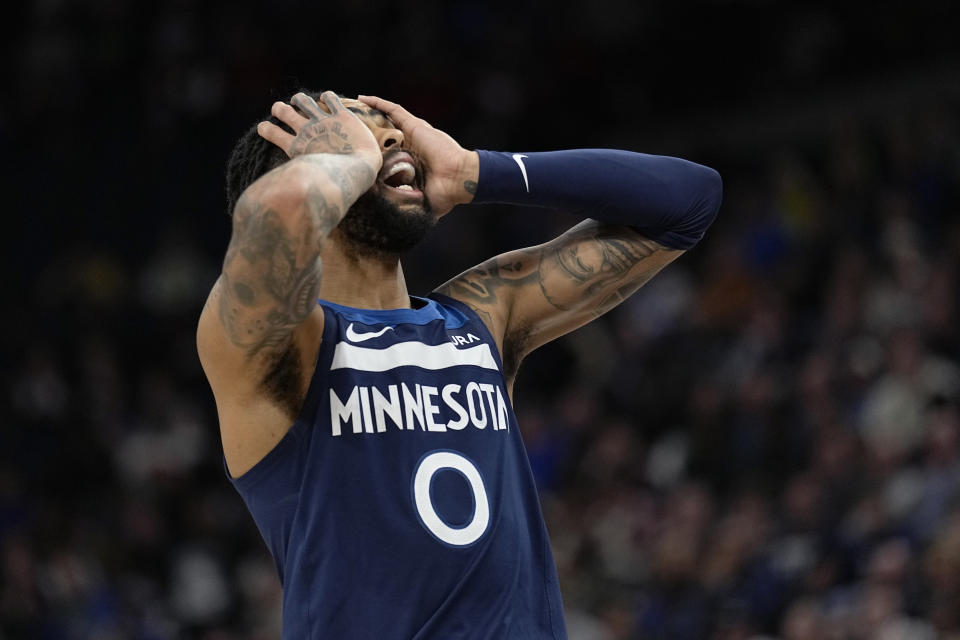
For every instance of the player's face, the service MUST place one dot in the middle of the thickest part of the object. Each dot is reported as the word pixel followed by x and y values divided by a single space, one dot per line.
pixel 394 215
pixel 402 175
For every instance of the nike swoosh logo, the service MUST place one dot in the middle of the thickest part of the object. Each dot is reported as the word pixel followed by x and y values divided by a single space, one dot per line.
pixel 353 336
pixel 519 160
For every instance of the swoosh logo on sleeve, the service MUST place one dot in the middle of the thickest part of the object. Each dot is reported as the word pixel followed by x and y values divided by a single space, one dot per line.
pixel 518 158
pixel 353 336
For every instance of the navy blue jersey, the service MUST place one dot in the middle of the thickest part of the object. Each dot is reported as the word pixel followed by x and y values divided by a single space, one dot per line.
pixel 401 505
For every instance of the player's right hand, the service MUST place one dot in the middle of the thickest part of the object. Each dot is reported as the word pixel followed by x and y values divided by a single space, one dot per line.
pixel 452 170
pixel 328 127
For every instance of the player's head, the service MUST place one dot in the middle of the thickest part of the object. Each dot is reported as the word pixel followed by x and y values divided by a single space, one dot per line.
pixel 385 221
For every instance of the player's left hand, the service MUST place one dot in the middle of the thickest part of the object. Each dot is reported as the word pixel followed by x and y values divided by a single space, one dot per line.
pixel 451 170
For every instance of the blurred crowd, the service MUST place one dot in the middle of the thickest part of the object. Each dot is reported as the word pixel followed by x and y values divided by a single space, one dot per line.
pixel 763 443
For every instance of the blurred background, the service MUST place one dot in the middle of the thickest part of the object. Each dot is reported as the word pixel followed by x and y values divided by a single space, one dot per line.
pixel 762 443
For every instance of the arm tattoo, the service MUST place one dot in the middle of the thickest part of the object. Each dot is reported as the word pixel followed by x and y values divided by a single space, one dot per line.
pixel 580 275
pixel 271 273
pixel 350 180
pixel 593 267
pixel 590 265
pixel 270 278
pixel 470 187
pixel 479 287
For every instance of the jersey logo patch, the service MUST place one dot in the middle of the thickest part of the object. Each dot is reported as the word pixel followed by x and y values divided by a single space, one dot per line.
pixel 353 336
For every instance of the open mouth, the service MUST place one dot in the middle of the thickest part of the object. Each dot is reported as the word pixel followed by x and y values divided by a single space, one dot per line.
pixel 399 174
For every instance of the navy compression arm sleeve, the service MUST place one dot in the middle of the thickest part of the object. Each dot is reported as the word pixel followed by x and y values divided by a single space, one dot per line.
pixel 669 200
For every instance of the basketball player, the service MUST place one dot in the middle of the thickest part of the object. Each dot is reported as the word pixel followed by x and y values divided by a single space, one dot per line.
pixel 371 432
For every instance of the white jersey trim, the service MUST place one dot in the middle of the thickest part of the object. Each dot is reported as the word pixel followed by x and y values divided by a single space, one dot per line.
pixel 411 354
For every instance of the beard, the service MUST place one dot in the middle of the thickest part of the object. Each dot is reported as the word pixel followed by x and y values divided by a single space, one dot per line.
pixel 375 227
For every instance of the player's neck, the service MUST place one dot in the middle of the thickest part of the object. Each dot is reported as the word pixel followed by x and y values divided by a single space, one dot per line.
pixel 364 283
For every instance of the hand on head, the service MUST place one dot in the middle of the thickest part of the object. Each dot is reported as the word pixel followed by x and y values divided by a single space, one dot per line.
pixel 328 127
pixel 449 166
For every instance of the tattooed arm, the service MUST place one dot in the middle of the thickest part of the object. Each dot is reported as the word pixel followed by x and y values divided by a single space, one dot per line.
pixel 271 273
pixel 531 296
pixel 253 336
pixel 451 169
pixel 645 211
pixel 650 209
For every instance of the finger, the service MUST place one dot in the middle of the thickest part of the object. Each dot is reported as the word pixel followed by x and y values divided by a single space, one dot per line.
pixel 273 133
pixel 287 115
pixel 400 116
pixel 332 100
pixel 307 104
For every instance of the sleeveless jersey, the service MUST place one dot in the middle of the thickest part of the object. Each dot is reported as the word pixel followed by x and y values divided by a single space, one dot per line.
pixel 401 505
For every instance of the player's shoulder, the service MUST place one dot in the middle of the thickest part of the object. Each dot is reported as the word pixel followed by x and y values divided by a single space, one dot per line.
pixel 452 296
pixel 456 312
pixel 492 287
pixel 490 291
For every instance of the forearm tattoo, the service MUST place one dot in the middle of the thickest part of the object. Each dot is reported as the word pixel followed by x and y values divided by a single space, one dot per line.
pixel 271 273
pixel 269 279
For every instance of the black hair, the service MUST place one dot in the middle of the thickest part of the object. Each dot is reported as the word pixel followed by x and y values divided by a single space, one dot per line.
pixel 252 156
